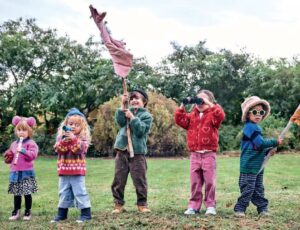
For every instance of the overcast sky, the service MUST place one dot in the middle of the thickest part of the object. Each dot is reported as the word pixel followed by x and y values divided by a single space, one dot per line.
pixel 265 28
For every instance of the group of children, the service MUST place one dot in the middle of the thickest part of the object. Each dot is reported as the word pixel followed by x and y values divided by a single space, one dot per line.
pixel 202 124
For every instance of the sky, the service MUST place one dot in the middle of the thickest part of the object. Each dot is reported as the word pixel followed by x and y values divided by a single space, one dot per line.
pixel 264 28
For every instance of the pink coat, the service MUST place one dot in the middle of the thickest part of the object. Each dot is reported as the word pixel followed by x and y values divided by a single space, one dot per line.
pixel 26 159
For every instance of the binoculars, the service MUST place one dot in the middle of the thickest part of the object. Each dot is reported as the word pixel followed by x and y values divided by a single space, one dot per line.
pixel 66 128
pixel 193 100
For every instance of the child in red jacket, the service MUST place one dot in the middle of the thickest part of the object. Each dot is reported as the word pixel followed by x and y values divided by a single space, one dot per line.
pixel 202 125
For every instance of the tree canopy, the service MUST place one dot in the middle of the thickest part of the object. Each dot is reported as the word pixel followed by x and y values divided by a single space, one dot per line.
pixel 44 75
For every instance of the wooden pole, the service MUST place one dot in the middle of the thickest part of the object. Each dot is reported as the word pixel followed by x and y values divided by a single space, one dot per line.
pixel 272 151
pixel 130 146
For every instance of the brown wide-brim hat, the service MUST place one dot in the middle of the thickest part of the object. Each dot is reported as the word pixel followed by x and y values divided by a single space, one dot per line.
pixel 251 102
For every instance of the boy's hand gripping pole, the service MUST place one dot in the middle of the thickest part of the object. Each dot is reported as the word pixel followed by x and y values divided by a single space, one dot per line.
pixel 130 147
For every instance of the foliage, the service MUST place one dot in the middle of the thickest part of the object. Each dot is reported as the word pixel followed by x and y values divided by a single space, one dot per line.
pixel 105 130
pixel 44 75
pixel 229 137
pixel 165 138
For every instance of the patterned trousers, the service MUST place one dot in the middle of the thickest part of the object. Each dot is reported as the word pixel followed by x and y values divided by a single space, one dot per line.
pixel 252 189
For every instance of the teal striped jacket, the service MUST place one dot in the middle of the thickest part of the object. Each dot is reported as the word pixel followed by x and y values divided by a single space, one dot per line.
pixel 254 148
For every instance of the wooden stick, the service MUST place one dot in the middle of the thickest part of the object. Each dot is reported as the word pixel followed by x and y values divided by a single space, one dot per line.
pixel 130 146
pixel 272 151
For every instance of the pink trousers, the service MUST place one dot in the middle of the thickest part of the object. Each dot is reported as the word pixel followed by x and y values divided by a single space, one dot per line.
pixel 202 171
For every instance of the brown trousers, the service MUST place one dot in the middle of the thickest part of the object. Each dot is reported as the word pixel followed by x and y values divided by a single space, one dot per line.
pixel 137 167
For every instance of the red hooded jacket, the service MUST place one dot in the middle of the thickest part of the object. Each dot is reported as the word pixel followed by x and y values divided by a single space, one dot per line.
pixel 202 133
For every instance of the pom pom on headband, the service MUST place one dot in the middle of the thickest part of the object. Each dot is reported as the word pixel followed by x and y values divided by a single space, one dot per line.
pixel 30 120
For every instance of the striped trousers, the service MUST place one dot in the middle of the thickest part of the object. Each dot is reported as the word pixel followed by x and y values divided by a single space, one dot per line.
pixel 252 189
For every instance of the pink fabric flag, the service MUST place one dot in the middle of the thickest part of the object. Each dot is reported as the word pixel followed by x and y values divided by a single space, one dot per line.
pixel 122 59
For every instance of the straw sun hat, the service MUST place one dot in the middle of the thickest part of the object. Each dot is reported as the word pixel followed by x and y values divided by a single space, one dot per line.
pixel 250 102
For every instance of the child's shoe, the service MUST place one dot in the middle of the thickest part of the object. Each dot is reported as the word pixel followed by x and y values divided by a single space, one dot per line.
pixel 211 211
pixel 118 209
pixel 85 215
pixel 62 214
pixel 27 215
pixel 143 209
pixel 239 214
pixel 190 211
pixel 265 213
pixel 15 215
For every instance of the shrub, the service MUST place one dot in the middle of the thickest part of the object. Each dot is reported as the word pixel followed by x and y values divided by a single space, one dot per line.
pixel 229 137
pixel 165 138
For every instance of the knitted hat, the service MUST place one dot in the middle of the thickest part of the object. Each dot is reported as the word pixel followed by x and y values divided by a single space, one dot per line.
pixel 74 111
pixel 251 102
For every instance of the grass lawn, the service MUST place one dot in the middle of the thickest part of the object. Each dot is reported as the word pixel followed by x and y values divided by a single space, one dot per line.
pixel 168 181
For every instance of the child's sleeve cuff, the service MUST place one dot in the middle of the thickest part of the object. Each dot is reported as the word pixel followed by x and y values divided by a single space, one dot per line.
pixel 23 151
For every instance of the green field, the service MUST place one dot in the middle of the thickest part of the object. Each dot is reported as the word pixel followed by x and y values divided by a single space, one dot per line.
pixel 168 181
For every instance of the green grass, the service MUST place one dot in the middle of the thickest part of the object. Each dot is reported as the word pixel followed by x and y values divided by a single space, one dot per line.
pixel 168 181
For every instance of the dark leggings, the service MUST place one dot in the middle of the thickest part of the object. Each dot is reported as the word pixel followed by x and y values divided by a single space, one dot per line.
pixel 18 201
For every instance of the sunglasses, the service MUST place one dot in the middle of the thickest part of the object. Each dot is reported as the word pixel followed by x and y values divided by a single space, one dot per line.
pixel 257 112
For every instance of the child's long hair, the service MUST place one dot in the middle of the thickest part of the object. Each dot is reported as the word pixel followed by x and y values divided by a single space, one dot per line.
pixel 85 129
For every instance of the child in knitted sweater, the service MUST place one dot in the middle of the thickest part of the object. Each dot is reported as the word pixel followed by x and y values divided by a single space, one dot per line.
pixel 71 147
pixel 202 125
pixel 21 156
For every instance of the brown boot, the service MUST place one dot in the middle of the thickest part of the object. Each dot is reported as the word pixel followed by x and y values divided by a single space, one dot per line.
pixel 143 209
pixel 118 209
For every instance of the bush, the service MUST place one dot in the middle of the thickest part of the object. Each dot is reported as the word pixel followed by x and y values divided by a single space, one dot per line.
pixel 229 137
pixel 165 139
pixel 7 137
pixel 272 127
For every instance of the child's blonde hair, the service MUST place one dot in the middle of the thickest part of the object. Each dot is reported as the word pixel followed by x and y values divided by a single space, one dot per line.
pixel 22 125
pixel 84 131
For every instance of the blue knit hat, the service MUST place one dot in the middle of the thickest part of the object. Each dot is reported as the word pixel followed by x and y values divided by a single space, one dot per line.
pixel 74 111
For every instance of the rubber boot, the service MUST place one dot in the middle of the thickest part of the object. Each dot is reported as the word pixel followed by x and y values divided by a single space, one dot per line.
pixel 85 215
pixel 62 214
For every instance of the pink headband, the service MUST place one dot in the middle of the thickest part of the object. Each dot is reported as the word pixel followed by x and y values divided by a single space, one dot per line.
pixel 30 120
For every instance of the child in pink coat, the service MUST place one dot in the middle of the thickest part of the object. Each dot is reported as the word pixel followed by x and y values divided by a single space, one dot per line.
pixel 21 156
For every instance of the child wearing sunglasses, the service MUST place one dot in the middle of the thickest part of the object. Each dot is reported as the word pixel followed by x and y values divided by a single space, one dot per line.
pixel 254 147
pixel 140 121
pixel 202 125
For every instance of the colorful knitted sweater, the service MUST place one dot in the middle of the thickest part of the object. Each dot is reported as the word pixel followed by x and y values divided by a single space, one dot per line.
pixel 202 133
pixel 254 148
pixel 71 157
